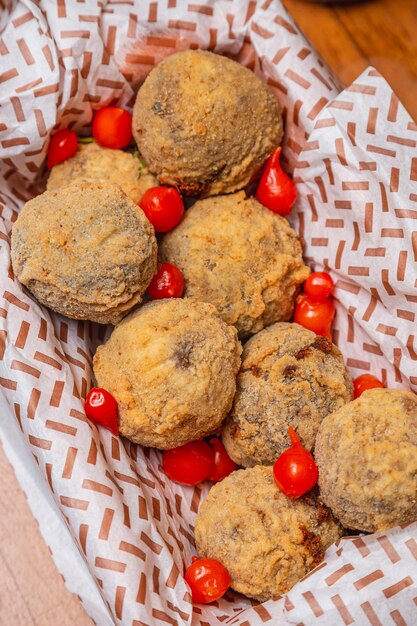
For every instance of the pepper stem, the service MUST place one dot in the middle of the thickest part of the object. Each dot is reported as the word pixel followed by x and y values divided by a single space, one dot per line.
pixel 295 439
pixel 275 158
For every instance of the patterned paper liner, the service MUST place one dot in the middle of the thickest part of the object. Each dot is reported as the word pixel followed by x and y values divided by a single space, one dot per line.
pixel 357 178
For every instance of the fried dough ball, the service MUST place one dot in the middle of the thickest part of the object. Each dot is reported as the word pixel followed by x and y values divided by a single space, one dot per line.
pixel 204 123
pixel 367 458
pixel 241 257
pixel 95 164
pixel 172 368
pixel 84 251
pixel 266 541
pixel 289 377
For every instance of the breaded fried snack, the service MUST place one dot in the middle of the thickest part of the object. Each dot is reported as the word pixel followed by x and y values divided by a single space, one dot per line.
pixel 241 257
pixel 95 164
pixel 172 368
pixel 266 541
pixel 367 458
pixel 204 123
pixel 84 251
pixel 289 377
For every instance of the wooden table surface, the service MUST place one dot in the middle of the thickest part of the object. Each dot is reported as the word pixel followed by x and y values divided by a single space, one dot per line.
pixel 32 591
pixel 350 37
pixel 381 33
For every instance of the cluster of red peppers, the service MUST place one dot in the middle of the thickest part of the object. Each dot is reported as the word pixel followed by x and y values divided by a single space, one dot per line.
pixel 314 308
pixel 295 471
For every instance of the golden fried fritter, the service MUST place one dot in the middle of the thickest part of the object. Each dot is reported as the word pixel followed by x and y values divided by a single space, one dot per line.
pixel 266 541
pixel 204 123
pixel 367 458
pixel 84 251
pixel 95 164
pixel 289 377
pixel 241 257
pixel 172 368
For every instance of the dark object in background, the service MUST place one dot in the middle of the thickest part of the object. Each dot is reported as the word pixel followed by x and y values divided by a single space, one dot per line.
pixel 334 2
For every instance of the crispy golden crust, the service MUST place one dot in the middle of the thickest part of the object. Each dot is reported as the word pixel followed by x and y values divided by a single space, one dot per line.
pixel 266 541
pixel 367 457
pixel 84 251
pixel 172 367
pixel 289 377
pixel 239 256
pixel 204 123
pixel 93 163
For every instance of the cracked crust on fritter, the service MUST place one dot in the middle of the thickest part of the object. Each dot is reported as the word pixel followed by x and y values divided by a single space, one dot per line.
pixel 289 377
pixel 367 458
pixel 239 256
pixel 172 368
pixel 204 123
pixel 95 164
pixel 266 541
pixel 84 251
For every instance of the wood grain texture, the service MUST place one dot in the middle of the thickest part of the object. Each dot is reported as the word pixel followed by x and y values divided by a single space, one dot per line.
pixel 33 593
pixel 381 33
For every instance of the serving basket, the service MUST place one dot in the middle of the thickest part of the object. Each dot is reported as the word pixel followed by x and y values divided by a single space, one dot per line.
pixel 120 532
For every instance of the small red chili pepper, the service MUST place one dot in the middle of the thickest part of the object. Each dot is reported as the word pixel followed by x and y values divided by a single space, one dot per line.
pixel 364 382
pixel 163 206
pixel 315 315
pixel 63 145
pixel 319 286
pixel 208 580
pixel 223 464
pixel 167 283
pixel 295 471
pixel 112 127
pixel 101 407
pixel 276 190
pixel 190 463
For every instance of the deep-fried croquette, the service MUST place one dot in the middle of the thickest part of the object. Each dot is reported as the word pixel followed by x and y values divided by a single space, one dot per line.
pixel 266 541
pixel 241 257
pixel 95 164
pixel 204 123
pixel 289 377
pixel 367 458
pixel 172 368
pixel 85 251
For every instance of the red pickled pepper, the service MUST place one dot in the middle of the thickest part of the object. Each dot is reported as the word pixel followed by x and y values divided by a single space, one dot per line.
pixel 190 463
pixel 276 190
pixel 364 382
pixel 167 283
pixel 101 407
pixel 196 461
pixel 295 471
pixel 208 580
pixel 163 206
pixel 112 127
pixel 314 308
pixel 63 145
pixel 223 464
pixel 315 315
pixel 319 286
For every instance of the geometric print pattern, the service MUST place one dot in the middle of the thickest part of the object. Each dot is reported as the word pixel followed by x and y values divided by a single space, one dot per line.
pixel 59 61
pixel 357 180
pixel 357 213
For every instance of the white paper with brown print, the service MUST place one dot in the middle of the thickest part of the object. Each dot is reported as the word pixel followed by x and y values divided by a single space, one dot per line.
pixel 357 210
